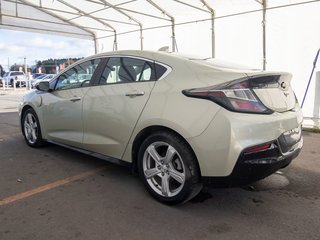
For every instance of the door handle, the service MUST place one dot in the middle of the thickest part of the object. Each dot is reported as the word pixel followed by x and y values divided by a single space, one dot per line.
pixel 135 94
pixel 75 99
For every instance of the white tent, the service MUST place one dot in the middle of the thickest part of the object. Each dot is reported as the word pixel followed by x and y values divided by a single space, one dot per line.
pixel 267 34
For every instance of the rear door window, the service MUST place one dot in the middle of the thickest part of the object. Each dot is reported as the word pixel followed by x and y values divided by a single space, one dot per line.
pixel 129 70
pixel 16 73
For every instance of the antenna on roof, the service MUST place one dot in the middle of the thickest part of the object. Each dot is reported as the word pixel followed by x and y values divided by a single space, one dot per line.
pixel 164 49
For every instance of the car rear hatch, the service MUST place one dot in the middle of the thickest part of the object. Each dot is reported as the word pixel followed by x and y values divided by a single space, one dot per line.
pixel 274 90
pixel 235 83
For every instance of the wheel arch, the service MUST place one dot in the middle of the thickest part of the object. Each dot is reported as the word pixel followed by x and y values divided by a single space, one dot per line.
pixel 144 133
pixel 23 110
pixel 38 141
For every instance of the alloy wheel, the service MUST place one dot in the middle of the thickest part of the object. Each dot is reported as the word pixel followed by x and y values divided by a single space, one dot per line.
pixel 164 169
pixel 30 128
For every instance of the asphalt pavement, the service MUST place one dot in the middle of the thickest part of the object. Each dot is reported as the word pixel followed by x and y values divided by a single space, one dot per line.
pixel 56 193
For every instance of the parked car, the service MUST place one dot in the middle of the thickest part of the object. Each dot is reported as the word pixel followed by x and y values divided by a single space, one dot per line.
pixel 14 76
pixel 43 77
pixel 36 75
pixel 181 122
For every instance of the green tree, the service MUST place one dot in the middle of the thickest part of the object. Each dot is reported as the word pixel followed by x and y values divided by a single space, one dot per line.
pixel 15 67
pixel 2 72
pixel 49 65
pixel 38 63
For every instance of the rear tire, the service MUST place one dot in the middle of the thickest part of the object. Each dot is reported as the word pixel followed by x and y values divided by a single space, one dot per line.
pixel 31 129
pixel 168 168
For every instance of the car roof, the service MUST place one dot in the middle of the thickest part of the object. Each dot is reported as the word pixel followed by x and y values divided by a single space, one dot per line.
pixel 172 59
pixel 144 53
pixel 175 56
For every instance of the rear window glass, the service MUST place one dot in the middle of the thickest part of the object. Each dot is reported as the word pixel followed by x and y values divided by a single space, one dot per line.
pixel 223 64
pixel 160 70
pixel 127 69
pixel 16 73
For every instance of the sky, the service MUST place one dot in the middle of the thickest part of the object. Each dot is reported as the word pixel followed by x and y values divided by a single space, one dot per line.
pixel 15 46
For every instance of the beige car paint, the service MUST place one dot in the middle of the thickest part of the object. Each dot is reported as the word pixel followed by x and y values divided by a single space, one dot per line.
pixel 62 116
pixel 238 131
pixel 109 116
pixel 216 135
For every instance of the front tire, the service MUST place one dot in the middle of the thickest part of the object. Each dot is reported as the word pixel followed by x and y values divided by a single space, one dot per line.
pixel 31 129
pixel 168 168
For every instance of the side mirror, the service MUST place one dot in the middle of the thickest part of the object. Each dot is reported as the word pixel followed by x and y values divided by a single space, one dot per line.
pixel 43 86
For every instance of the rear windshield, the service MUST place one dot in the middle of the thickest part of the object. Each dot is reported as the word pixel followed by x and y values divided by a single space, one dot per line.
pixel 218 63
pixel 16 73
pixel 223 64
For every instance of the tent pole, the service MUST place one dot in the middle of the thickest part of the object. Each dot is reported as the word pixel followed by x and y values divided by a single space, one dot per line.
pixel 115 44
pixel 127 15
pixel 172 22
pixel 95 44
pixel 264 37
pixel 0 13
pixel 141 38
pixel 173 36
pixel 213 37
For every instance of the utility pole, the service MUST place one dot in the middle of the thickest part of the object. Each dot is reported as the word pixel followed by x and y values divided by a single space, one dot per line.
pixel 25 66
pixel 26 73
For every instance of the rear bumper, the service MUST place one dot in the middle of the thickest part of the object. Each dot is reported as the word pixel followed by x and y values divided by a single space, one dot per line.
pixel 251 167
pixel 221 147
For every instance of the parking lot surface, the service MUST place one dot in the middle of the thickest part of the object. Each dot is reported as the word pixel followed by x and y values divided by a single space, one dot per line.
pixel 56 193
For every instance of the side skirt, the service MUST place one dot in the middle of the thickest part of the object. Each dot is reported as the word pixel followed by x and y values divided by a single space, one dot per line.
pixel 94 154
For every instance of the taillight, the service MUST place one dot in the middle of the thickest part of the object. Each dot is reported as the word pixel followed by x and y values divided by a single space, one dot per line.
pixel 236 96
pixel 258 149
